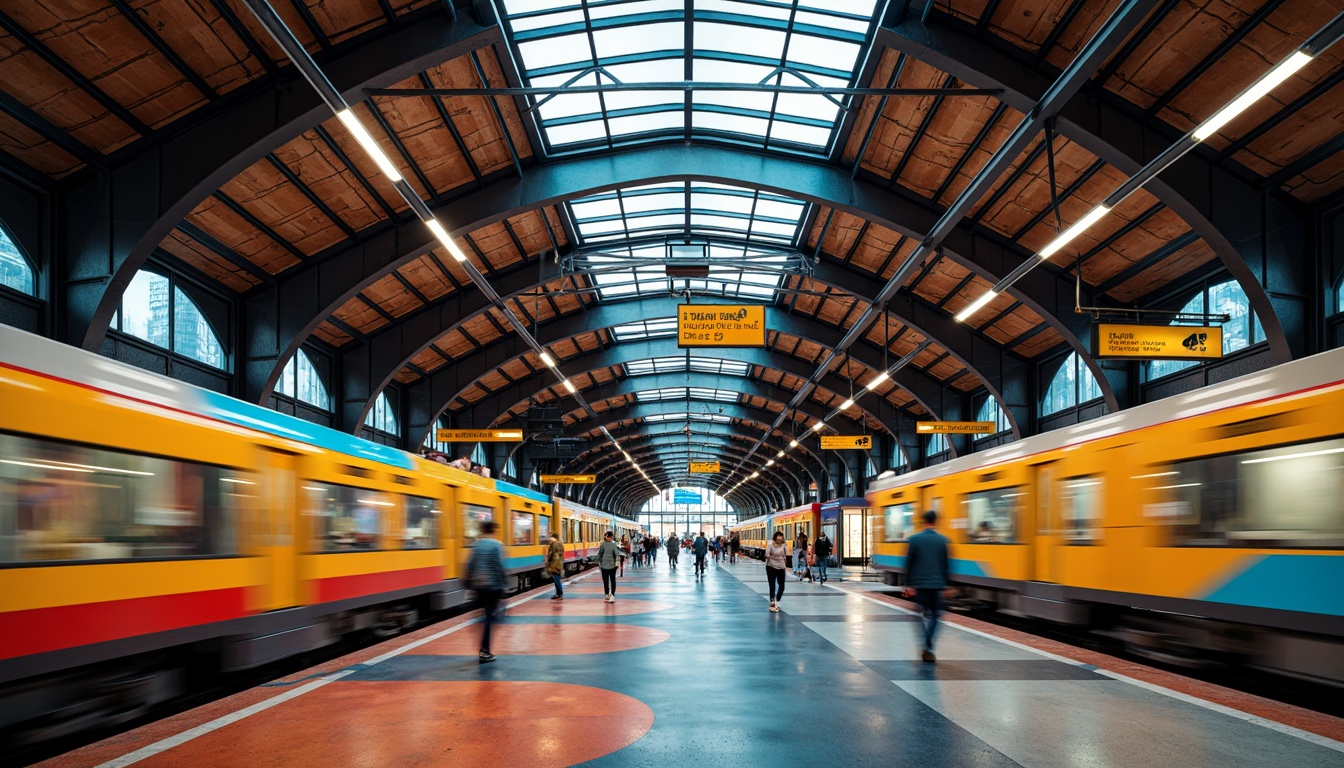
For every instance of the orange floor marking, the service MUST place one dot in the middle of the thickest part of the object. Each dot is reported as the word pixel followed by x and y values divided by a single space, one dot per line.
pixel 588 607
pixel 426 723
pixel 547 640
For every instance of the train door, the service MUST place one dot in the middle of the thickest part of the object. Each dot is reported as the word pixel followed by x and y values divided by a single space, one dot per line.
pixel 277 534
pixel 1045 546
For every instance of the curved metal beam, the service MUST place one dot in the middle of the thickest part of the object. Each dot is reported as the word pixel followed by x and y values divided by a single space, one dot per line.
pixel 662 452
pixel 728 439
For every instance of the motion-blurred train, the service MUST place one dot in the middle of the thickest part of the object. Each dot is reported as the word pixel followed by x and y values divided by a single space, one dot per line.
pixel 147 525
pixel 1208 526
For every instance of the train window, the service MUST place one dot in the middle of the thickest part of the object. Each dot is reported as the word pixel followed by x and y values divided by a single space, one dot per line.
pixel 1080 509
pixel 1286 496
pixel 422 523
pixel 344 518
pixel 69 502
pixel 472 517
pixel 992 515
pixel 898 520
pixel 543 528
pixel 523 528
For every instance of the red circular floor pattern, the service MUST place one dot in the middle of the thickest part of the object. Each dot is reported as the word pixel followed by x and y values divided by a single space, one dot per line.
pixel 547 639
pixel 594 589
pixel 426 723
pixel 594 607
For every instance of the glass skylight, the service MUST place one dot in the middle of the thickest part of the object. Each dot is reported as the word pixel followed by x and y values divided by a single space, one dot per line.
pixel 714 417
pixel 682 393
pixel 679 364
pixel 629 237
pixel 793 43
pixel 645 329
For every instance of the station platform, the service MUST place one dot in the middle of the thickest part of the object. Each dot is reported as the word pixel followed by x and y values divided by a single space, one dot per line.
pixel 687 671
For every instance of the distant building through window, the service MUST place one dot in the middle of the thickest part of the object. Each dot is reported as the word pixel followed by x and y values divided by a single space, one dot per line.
pixel 990 411
pixel 14 269
pixel 154 310
pixel 1072 385
pixel 937 444
pixel 301 381
pixel 382 416
pixel 1240 331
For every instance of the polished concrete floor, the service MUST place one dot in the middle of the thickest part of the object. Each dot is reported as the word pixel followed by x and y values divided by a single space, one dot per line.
pixel 698 672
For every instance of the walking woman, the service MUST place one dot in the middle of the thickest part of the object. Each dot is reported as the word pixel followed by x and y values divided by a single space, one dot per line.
pixel 625 552
pixel 776 555
pixel 555 565
pixel 800 555
pixel 608 560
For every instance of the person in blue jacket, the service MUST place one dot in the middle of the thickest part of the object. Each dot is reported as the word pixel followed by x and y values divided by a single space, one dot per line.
pixel 700 547
pixel 926 577
pixel 485 575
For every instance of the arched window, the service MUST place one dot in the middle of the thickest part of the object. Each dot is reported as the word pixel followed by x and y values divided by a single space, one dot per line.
pixel 1240 331
pixel 871 470
pixel 478 454
pixel 990 411
pixel 300 381
pixel 14 269
pixel 382 417
pixel 511 468
pixel 937 444
pixel 155 310
pixel 1073 385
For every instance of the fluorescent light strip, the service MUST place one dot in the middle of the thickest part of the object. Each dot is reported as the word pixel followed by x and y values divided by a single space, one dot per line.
pixel 877 382
pixel 352 124
pixel 975 306
pixel 847 404
pixel 1078 227
pixel 817 427
pixel 1268 82
pixel 442 235
pixel 550 363
pixel 570 386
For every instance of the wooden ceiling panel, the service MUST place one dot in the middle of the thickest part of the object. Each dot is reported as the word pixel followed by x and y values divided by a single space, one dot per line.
pixel 1014 324
pixel 30 147
pixel 406 376
pixel 1085 24
pixel 493 381
pixel 473 116
pixel 218 220
pixel 55 98
pixel 1326 177
pixel 319 168
pixel 203 39
pixel 393 296
pixel 945 369
pixel 1172 268
pixel 1030 195
pixel 900 121
pixel 266 194
pixel 843 232
pixel 107 50
pixel 1316 123
pixel 360 316
pixel 868 104
pixel 941 280
pixel 1040 343
pixel 208 262
pixel 885 330
pixel 427 359
pixel 332 335
pixel 835 310
pixel 455 343
pixel 428 141
pixel 363 163
pixel 341 20
pixel 495 245
pixel 876 248
pixel 974 290
pixel 427 278
pixel 480 328
pixel 947 138
pixel 980 154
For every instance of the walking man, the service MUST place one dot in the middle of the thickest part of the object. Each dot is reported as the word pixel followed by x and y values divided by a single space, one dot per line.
pixel 926 577
pixel 485 575
pixel 821 550
pixel 609 557
pixel 700 547
pixel 673 547
pixel 555 565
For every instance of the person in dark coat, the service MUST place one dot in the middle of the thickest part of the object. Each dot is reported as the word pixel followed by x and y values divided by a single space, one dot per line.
pixel 673 547
pixel 822 551
pixel 926 577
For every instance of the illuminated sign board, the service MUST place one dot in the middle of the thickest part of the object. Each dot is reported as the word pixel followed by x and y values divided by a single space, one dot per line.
pixel 846 442
pixel 705 467
pixel 720 325
pixel 680 496
pixel 1157 342
pixel 955 427
pixel 569 479
pixel 478 435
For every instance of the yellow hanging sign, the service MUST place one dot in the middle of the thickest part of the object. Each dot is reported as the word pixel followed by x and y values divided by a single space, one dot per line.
pixel 955 427
pixel 478 435
pixel 705 467
pixel 569 479
pixel 1158 342
pixel 846 442
pixel 720 325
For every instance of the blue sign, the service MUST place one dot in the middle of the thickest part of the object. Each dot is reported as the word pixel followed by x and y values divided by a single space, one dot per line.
pixel 685 497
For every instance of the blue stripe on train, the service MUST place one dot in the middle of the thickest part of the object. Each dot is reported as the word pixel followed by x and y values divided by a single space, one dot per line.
pixel 1306 583
pixel 523 563
pixel 958 567
pixel 518 490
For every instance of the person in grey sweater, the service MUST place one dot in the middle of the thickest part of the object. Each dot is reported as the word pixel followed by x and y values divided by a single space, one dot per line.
pixel 608 559
pixel 775 553
pixel 926 577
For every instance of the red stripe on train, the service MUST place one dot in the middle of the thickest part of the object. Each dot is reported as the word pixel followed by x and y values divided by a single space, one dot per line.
pixel 359 585
pixel 67 626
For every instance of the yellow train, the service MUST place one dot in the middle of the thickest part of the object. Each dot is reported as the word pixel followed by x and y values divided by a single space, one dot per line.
pixel 1207 524
pixel 144 521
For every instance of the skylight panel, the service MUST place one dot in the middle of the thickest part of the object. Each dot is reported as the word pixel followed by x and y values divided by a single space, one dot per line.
pixel 799 134
pixel 646 123
pixel 638 39
pixel 547 52
pixel 534 6
pixel 541 21
pixel 593 209
pixel 577 132
pixel 600 227
pixel 609 10
pixel 823 53
pixel 645 329
pixel 733 38
pixel 712 121
pixel 709 201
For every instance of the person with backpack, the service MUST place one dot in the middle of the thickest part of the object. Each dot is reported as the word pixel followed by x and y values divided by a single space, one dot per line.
pixel 485 575
pixel 700 547
pixel 821 550
pixel 673 547
pixel 609 558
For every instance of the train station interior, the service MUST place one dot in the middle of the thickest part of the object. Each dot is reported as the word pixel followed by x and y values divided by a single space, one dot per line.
pixel 301 299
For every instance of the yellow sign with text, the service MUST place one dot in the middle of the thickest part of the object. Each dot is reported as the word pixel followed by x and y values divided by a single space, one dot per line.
pixel 846 442
pixel 720 325
pixel 569 479
pixel 1158 342
pixel 955 427
pixel 705 467
pixel 478 435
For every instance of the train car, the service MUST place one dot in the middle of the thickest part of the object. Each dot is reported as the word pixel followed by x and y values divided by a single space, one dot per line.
pixel 1210 523
pixel 582 528
pixel 752 536
pixel 146 525
pixel 755 533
